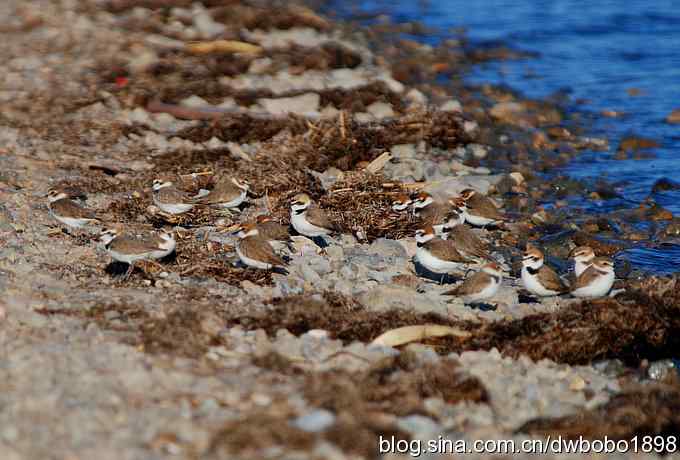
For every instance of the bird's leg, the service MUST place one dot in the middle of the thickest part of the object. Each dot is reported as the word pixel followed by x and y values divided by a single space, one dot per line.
pixel 131 268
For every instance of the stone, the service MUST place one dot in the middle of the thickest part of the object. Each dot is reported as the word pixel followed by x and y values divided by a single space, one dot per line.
pixel 195 101
pixel 451 106
pixel 380 110
pixel 478 151
pixel 206 26
pixel 673 117
pixel 387 297
pixel 315 421
pixel 303 104
pixel 416 97
pixel 388 247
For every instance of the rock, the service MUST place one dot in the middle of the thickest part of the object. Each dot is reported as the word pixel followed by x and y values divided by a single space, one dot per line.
pixel 403 151
pixel 407 170
pixel 329 177
pixel 507 111
pixel 420 427
pixel 206 26
pixel 315 421
pixel 380 110
pixel 260 66
pixel 663 370
pixel 304 104
pixel 673 117
pixel 478 151
pixel 634 143
pixel 195 101
pixel 363 117
pixel 453 186
pixel 451 106
pixel 416 97
pixel 388 248
pixel 665 184
pixel 385 297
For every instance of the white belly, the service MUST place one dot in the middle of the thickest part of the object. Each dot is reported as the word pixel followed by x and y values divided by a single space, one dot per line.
pixel 129 258
pixel 303 227
pixel 73 221
pixel 439 231
pixel 166 248
pixel 580 267
pixel 532 285
pixel 485 293
pixel 478 221
pixel 434 264
pixel 597 289
pixel 173 208
pixel 252 262
pixel 235 203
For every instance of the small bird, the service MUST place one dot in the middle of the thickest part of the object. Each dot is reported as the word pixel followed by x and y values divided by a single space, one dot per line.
pixel 481 286
pixel 273 231
pixel 401 202
pixel 309 220
pixel 67 211
pixel 229 192
pixel 128 249
pixel 464 238
pixel 583 257
pixel 255 251
pixel 596 281
pixel 166 243
pixel 437 255
pixel 538 278
pixel 430 212
pixel 170 199
pixel 480 210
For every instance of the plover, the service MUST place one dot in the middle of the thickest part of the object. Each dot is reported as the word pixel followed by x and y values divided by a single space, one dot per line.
pixel 480 210
pixel 464 238
pixel 595 281
pixel 273 231
pixel 128 249
pixel 165 240
pixel 229 192
pixel 430 212
pixel 481 286
pixel 67 211
pixel 255 251
pixel 169 199
pixel 538 278
pixel 437 255
pixel 309 220
pixel 583 257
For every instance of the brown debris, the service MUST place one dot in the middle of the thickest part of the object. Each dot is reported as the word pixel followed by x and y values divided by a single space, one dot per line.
pixel 643 322
pixel 184 332
pixel 645 410
pixel 361 205
pixel 366 402
pixel 257 431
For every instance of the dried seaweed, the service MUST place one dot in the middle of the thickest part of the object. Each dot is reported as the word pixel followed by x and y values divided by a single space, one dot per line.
pixel 645 410
pixel 361 205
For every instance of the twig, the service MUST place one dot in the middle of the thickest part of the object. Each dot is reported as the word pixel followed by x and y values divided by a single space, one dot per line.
pixel 341 119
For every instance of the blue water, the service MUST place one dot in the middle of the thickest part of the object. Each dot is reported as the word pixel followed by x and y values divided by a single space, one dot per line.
pixel 597 51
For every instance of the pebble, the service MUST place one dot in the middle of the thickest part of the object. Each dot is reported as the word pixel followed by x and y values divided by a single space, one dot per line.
pixel 451 106
pixel 304 104
pixel 315 421
pixel 380 110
